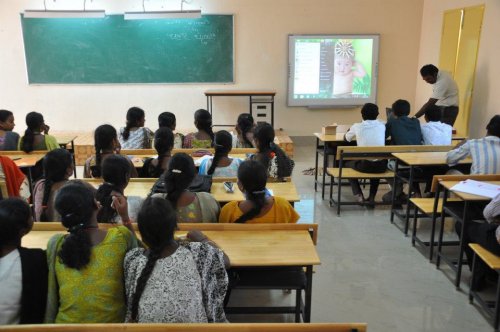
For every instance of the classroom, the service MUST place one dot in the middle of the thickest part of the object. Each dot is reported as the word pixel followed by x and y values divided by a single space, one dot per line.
pixel 356 271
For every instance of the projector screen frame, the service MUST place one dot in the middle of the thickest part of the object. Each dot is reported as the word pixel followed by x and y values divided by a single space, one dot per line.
pixel 322 103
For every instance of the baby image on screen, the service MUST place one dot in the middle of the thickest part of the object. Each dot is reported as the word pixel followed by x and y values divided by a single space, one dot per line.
pixel 345 68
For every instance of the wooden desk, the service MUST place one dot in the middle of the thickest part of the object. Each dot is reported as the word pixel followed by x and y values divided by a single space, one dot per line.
pixel 64 141
pixel 414 159
pixel 465 216
pixel 246 249
pixel 138 160
pixel 254 97
pixel 142 187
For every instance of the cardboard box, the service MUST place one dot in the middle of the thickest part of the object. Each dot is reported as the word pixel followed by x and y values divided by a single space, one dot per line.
pixel 330 129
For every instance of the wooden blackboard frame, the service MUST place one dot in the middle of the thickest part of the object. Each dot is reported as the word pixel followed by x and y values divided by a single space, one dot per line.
pixel 221 52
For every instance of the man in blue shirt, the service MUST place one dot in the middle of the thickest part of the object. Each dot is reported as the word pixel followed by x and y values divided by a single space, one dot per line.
pixel 400 128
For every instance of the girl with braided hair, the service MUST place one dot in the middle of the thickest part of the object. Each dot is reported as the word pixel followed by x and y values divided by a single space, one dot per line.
pixel 106 144
pixel 85 265
pixel 172 281
pixel 277 163
pixel 259 206
pixel 164 143
pixel 204 137
pixel 244 131
pixel 57 169
pixel 116 175
pixel 134 135
pixel 221 165
pixel 190 206
pixel 36 136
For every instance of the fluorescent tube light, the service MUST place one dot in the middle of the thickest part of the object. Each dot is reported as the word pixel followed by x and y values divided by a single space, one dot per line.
pixel 64 14
pixel 163 15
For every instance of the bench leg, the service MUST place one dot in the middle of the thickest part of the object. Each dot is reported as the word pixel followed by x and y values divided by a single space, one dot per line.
pixel 331 190
pixel 414 233
pixel 339 189
pixel 474 259
pixel 441 230
pixel 298 305
pixel 497 307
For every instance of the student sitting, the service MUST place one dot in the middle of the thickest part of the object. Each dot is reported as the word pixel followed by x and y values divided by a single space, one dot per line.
pixel 164 143
pixel 435 132
pixel 171 273
pixel 370 132
pixel 33 138
pixel 15 180
pixel 400 128
pixel 8 139
pixel 244 131
pixel 106 144
pixel 221 165
pixel 258 206
pixel 134 135
pixel 86 266
pixel 167 119
pixel 204 138
pixel 23 272
pixel 190 206
pixel 116 175
pixel 269 154
pixel 57 169
pixel 485 152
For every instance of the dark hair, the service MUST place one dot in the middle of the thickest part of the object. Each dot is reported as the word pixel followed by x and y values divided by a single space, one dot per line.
pixel 115 174
pixel 493 126
pixel 369 111
pixel 264 135
pixel 433 113
pixel 167 119
pixel 14 217
pixel 55 166
pixel 223 144
pixel 4 115
pixel 203 120
pixel 157 222
pixel 104 136
pixel 245 124
pixel 401 107
pixel 75 203
pixel 429 70
pixel 179 175
pixel 164 143
pixel 253 177
pixel 134 116
pixel 34 121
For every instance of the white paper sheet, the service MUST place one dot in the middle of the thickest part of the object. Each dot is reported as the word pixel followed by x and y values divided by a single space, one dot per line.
pixel 477 188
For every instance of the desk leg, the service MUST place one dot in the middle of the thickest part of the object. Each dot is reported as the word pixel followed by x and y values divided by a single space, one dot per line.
pixel 74 158
pixel 433 229
pixel 30 181
pixel 394 184
pixel 325 165
pixel 308 295
pixel 441 230
pixel 316 166
pixel 465 218
pixel 410 187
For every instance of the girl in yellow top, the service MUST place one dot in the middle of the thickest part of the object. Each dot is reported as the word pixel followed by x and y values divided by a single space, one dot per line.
pixel 259 206
pixel 86 282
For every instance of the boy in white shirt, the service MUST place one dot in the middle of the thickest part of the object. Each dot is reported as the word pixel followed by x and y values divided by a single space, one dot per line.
pixel 370 132
pixel 435 132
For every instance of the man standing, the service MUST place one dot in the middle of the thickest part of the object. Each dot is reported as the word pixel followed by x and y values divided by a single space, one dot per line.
pixel 444 93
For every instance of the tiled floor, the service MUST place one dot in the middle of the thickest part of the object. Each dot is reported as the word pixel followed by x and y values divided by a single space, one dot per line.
pixel 369 272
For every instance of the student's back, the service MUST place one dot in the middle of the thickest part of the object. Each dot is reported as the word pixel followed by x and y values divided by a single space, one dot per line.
pixel 8 139
pixel 258 207
pixel 401 129
pixel 86 266
pixel 23 272
pixel 435 132
pixel 36 136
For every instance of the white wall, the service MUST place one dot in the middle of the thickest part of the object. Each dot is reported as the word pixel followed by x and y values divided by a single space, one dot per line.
pixel 261 29
pixel 485 101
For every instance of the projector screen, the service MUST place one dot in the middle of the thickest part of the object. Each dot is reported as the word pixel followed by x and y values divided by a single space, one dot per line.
pixel 332 70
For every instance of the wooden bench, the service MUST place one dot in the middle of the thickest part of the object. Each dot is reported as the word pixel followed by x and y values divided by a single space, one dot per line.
pixel 348 153
pixel 153 152
pixel 243 327
pixel 492 308
pixel 433 207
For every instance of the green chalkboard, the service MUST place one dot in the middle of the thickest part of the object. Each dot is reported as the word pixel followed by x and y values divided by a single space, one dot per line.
pixel 113 50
